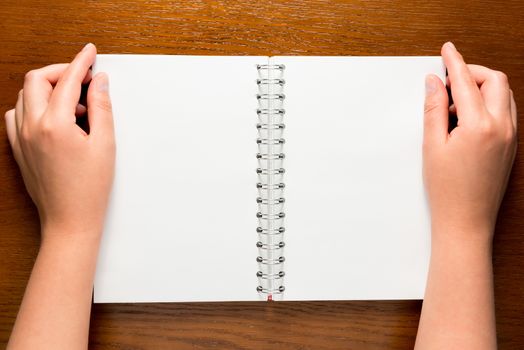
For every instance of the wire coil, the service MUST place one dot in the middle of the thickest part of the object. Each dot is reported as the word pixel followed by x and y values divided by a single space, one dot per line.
pixel 279 245
pixel 274 201
pixel 266 186
pixel 268 291
pixel 270 171
pixel 275 231
pixel 270 156
pixel 270 66
pixel 266 276
pixel 265 126
pixel 274 111
pixel 265 141
pixel 270 81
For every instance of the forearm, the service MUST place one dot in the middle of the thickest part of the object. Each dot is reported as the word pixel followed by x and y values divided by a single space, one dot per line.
pixel 68 172
pixel 458 309
pixel 466 169
pixel 55 311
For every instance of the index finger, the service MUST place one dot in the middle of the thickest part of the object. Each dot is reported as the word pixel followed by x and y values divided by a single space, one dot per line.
pixel 68 88
pixel 38 86
pixel 494 88
pixel 465 92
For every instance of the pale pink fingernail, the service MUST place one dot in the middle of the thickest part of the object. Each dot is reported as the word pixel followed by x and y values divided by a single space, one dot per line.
pixel 88 45
pixel 450 44
pixel 102 84
pixel 431 86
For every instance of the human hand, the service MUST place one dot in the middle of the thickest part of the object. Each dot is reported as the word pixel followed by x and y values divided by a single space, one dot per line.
pixel 67 172
pixel 466 170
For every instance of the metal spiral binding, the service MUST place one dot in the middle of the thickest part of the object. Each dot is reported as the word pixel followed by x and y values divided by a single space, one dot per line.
pixel 271 172
pixel 273 126
pixel 270 246
pixel 281 274
pixel 270 185
pixel 273 201
pixel 270 232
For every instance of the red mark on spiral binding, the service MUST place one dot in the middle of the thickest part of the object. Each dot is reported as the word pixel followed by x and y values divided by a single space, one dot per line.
pixel 270 297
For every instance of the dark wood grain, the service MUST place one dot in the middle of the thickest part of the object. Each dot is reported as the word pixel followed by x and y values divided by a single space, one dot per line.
pixel 35 33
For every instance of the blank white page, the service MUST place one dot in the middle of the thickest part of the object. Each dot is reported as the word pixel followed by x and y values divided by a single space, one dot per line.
pixel 181 220
pixel 357 221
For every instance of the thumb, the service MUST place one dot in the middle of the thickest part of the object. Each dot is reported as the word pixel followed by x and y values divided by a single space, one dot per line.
pixel 99 110
pixel 436 112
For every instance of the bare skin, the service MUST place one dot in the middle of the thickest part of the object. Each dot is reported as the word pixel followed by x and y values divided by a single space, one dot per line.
pixel 68 174
pixel 466 173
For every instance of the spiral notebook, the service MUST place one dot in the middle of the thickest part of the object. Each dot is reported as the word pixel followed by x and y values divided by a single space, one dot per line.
pixel 257 178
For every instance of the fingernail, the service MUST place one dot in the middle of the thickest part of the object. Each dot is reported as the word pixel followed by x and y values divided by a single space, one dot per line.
pixel 431 87
pixel 451 45
pixel 102 84
pixel 88 45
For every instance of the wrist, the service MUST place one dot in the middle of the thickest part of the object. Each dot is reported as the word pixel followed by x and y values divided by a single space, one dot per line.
pixel 463 223
pixel 63 236
pixel 462 237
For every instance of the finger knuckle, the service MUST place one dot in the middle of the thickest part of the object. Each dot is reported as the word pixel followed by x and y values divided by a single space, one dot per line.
pixel 25 133
pixel 104 104
pixel 47 129
pixel 430 107
pixel 31 75
pixel 8 113
pixel 487 130
pixel 500 77
pixel 510 135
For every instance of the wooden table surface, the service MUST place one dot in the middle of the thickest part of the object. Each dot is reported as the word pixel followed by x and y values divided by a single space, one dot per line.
pixel 34 33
